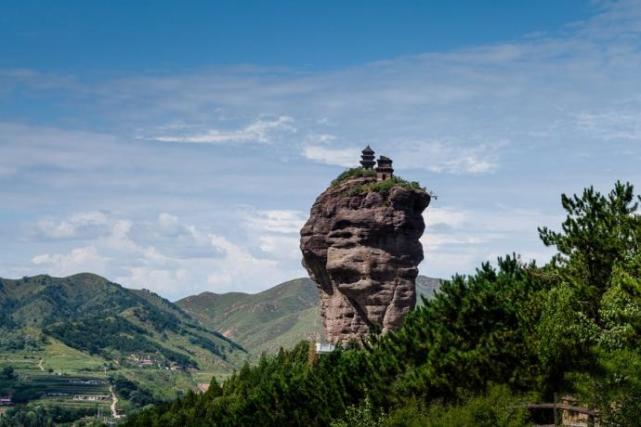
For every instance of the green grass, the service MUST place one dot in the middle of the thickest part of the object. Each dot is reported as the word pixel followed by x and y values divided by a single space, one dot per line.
pixel 384 187
pixel 62 358
pixel 262 321
pixel 374 186
pixel 163 383
pixel 204 377
pixel 353 173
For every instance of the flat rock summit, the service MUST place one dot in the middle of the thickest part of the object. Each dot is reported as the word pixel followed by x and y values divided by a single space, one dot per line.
pixel 361 247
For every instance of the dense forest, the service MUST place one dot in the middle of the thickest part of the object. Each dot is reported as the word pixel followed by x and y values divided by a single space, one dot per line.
pixel 475 354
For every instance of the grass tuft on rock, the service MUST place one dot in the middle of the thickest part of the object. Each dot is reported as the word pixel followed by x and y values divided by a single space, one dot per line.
pixel 353 173
pixel 383 187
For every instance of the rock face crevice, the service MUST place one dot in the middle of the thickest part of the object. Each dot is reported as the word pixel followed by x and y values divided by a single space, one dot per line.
pixel 362 249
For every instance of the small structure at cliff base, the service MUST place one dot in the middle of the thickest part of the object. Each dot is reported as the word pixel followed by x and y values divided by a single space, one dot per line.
pixel 361 246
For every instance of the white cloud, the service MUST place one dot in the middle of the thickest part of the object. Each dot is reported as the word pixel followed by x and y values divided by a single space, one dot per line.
pixel 174 258
pixel 435 156
pixel 319 138
pixel 240 266
pixel 260 131
pixel 347 157
pixel 612 125
pixel 175 238
pixel 275 221
pixel 37 148
pixel 84 259
pixel 281 246
pixel 275 233
pixel 81 225
pixel 459 240
pixel 447 216
pixel 434 241
pixel 450 157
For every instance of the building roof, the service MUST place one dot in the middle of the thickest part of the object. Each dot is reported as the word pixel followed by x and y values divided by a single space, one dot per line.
pixel 368 150
pixel 384 162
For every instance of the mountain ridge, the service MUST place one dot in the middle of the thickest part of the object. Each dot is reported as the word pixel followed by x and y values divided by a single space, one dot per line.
pixel 92 314
pixel 279 316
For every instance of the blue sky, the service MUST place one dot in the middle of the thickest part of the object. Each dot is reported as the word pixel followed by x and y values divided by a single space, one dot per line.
pixel 178 147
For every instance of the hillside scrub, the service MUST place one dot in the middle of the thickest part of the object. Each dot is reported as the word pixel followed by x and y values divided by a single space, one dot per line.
pixel 515 332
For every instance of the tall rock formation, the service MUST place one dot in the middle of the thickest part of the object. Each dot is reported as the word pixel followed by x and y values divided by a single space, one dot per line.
pixel 361 247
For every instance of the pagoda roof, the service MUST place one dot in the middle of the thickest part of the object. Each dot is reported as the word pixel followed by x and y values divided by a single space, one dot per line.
pixel 368 150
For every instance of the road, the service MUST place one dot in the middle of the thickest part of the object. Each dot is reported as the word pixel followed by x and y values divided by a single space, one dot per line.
pixel 114 401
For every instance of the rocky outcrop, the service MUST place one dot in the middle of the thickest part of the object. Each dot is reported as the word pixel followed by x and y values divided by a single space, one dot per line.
pixel 362 249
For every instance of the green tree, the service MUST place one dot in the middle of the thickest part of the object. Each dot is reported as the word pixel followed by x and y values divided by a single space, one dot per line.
pixel 363 415
pixel 8 373
pixel 599 231
pixel 565 338
pixel 620 310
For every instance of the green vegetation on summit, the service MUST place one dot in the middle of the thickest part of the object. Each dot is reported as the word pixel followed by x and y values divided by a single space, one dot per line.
pixel 383 186
pixel 485 345
pixel 353 173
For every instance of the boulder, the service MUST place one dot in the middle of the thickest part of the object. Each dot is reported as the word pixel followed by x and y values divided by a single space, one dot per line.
pixel 362 249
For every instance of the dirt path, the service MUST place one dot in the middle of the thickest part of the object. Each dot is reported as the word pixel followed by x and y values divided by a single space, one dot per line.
pixel 114 401
pixel 42 368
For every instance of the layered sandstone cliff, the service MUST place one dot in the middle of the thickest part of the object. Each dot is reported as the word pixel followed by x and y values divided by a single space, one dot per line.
pixel 361 246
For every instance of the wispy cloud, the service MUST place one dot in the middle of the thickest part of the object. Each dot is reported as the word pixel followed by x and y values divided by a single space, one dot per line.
pixel 438 156
pixel 458 240
pixel 275 221
pixel 612 125
pixel 332 156
pixel 83 259
pixel 169 256
pixel 260 131
pixel 498 131
pixel 82 225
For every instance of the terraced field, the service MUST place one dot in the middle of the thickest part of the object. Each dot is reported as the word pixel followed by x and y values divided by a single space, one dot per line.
pixel 57 376
pixel 68 386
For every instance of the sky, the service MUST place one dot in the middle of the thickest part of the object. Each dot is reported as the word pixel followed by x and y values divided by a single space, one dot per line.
pixel 178 147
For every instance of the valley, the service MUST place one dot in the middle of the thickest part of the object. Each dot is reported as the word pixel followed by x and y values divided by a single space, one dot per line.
pixel 82 346
pixel 67 343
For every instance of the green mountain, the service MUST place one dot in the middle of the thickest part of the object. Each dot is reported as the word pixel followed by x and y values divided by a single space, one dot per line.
pixel 277 317
pixel 95 316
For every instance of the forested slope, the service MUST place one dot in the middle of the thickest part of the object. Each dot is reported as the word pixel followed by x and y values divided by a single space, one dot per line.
pixel 479 350
pixel 91 314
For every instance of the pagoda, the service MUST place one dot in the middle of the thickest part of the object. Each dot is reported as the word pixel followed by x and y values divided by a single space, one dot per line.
pixel 384 168
pixel 367 158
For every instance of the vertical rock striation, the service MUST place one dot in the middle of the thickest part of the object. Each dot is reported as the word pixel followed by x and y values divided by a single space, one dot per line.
pixel 362 249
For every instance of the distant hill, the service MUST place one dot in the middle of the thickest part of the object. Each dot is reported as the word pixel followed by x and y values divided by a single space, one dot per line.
pixel 426 286
pixel 277 317
pixel 95 316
